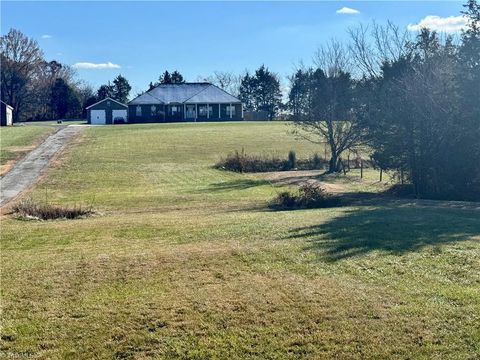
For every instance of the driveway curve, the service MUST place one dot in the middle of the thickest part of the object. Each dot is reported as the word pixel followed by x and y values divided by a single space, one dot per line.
pixel 27 171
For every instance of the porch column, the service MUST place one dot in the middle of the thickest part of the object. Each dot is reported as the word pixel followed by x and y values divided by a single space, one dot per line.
pixel 241 107
pixel 219 112
pixel 184 112
pixel 230 111
pixel 208 111
pixel 196 112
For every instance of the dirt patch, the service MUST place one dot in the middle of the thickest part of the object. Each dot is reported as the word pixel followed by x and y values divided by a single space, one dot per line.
pixel 6 167
pixel 302 177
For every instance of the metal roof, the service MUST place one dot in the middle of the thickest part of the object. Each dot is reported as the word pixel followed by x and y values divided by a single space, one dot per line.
pixel 188 93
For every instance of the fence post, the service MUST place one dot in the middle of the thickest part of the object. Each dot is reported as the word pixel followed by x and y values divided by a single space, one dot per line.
pixel 361 168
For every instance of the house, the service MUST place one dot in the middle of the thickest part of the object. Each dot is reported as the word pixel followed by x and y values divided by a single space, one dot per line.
pixel 107 111
pixel 199 101
pixel 6 114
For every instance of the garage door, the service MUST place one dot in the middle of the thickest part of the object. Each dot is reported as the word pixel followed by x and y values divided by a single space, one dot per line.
pixel 119 115
pixel 97 117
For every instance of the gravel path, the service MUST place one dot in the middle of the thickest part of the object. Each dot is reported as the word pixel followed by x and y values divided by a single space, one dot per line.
pixel 26 171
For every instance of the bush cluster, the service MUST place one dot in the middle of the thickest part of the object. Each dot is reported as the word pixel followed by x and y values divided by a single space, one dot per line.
pixel 246 163
pixel 306 197
pixel 30 209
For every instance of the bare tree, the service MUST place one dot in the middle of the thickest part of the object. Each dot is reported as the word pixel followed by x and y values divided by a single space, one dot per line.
pixel 373 45
pixel 42 80
pixel 225 80
pixel 333 58
pixel 20 57
pixel 331 118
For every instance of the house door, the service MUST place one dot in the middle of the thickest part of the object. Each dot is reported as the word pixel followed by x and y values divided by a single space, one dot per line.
pixel 190 113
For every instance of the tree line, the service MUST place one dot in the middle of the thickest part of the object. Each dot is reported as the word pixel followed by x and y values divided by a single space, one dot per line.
pixel 414 102
pixel 45 90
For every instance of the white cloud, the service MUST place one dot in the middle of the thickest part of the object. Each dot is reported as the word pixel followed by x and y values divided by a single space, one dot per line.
pixel 441 24
pixel 89 65
pixel 46 36
pixel 347 10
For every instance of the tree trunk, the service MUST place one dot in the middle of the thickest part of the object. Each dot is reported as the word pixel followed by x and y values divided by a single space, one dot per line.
pixel 334 163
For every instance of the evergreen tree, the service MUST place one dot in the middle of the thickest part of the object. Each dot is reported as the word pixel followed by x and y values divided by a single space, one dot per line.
pixel 177 78
pixel 246 92
pixel 121 89
pixel 63 100
pixel 165 78
pixel 299 95
pixel 105 91
pixel 261 92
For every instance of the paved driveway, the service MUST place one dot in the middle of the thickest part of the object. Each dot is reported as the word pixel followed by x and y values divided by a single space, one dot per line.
pixel 26 171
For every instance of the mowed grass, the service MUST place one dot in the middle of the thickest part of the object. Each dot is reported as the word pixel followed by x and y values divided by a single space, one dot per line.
pixel 15 141
pixel 187 261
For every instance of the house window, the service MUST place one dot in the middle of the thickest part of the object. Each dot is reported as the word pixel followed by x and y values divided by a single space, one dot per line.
pixel 153 110
pixel 174 109
pixel 139 110
pixel 231 110
pixel 108 102
pixel 202 110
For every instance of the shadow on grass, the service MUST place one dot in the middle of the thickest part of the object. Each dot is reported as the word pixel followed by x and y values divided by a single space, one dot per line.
pixel 240 184
pixel 393 230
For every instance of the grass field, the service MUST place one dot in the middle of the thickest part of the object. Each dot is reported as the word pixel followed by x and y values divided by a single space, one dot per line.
pixel 186 261
pixel 15 141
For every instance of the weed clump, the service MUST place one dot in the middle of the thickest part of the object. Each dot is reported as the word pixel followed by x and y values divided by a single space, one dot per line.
pixel 29 209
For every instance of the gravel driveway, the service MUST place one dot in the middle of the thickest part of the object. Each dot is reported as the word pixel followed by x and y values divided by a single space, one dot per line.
pixel 26 171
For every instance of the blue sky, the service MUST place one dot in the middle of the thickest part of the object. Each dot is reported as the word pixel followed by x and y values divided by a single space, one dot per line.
pixel 196 38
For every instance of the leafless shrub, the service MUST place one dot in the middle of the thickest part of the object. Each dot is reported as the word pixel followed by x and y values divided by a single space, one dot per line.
pixel 30 209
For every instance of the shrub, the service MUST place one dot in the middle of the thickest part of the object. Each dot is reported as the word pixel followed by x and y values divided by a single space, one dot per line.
pixel 306 197
pixel 242 162
pixel 284 200
pixel 317 161
pixel 292 160
pixel 30 209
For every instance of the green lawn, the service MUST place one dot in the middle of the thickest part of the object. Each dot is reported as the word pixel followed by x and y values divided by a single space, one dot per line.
pixel 186 261
pixel 15 141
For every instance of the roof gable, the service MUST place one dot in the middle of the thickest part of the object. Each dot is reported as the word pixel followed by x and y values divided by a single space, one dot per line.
pixel 109 99
pixel 213 94
pixel 8 106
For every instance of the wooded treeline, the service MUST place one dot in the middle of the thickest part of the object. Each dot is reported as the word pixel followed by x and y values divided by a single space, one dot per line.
pixel 46 90
pixel 414 102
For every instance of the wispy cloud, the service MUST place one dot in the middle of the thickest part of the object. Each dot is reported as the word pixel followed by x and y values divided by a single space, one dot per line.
pixel 89 65
pixel 46 36
pixel 347 10
pixel 441 24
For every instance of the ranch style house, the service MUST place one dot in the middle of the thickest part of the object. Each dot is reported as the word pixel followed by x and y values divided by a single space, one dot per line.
pixel 199 101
